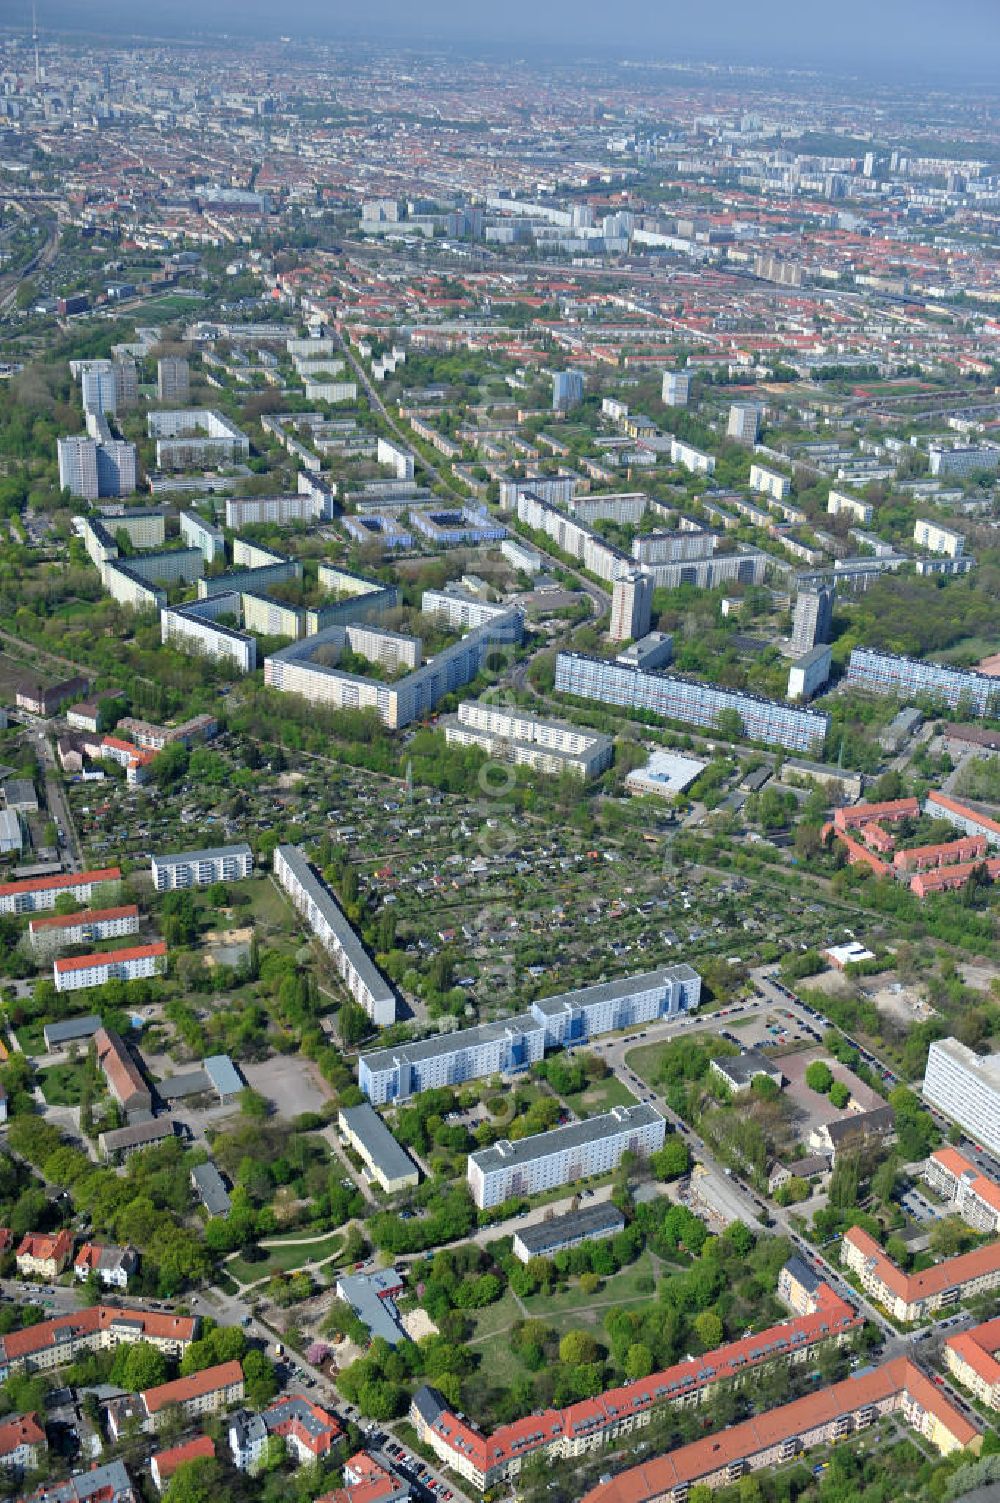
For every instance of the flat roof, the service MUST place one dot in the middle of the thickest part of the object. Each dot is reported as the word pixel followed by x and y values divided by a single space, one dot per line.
pixel 508 1155
pixel 449 1043
pixel 223 1074
pixel 386 1155
pixel 333 915
pixel 606 991
pixel 211 853
pixel 670 772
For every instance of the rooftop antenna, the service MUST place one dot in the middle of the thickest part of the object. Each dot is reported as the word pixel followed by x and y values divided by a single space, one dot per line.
pixel 34 42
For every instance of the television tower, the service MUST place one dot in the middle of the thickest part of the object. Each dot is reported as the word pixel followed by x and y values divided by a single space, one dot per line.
pixel 34 42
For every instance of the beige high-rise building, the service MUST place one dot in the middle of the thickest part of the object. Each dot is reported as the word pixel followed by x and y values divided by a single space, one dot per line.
pixel 631 607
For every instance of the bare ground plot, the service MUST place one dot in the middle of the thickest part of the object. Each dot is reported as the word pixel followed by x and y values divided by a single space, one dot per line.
pixel 293 1084
pixel 978 973
pixel 903 1004
pixel 813 1109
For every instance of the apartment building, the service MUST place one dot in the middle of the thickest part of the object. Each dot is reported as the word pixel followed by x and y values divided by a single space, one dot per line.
pixel 973 824
pixel 938 539
pixel 809 673
pixel 465 612
pixel 465 524
pixel 77 457
pixel 390 649
pixel 308 1431
pixel 631 606
pixel 909 678
pixel 44 1255
pixel 689 701
pixel 75 972
pixel 377 528
pixel 512 1045
pixel 164 1464
pixel 549 746
pixel 87 927
pixel 398 459
pixel 779 1436
pixel 972 1359
pixel 812 623
pixel 963 460
pixel 324 917
pixel 770 482
pixel 555 490
pixel 928 857
pixel 965 1086
pixel 666 547
pixel 368 1481
pixel 145 528
pixel 675 388
pixel 270 617
pixel 254 568
pixel 22 1444
pixel 57 1342
pixel 198 533
pixel 330 391
pixel 194 437
pixel 915 1296
pixel 488 1460
pixel 385 1161
pixel 111 1266
pixel 567 390
pixel 34 894
pixel 173 379
pixel 839 502
pixel 227 863
pixel 744 422
pixel 109 1483
pixel 563 1156
pixel 971 1193
pixel 279 511
pixel 296 670
pixel 206 1392
pixel 155 737
pixel 695 460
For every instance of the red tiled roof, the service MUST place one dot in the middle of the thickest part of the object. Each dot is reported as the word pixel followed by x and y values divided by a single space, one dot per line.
pixel 978 1347
pixel 963 810
pixel 84 916
pixel 911 1287
pixel 704 1457
pixel 956 1163
pixel 167 1462
pixel 210 1380
pixel 591 1415
pixel 109 957
pixel 20 1344
pixel 44 1245
pixel 24 1430
pixel 119 1067
pixel 63 879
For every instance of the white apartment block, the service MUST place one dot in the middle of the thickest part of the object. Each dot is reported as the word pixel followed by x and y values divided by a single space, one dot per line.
pixel 512 1045
pixel 35 894
pixel 328 923
pixel 691 458
pixel 964 460
pixel 78 466
pixel 676 388
pixel 838 502
pixel 227 863
pixel 144 529
pixel 550 746
pixel 460 610
pixel 974 1196
pixel 937 539
pixel 76 972
pixel 330 391
pixel 195 436
pixel 769 482
pixel 744 422
pixel 522 558
pixel 193 629
pixel 280 511
pixel 198 533
pixel 563 1156
pixel 125 586
pixel 86 928
pixel 399 460
pixel 270 617
pixel 631 607
pixel 966 1087
pixel 390 649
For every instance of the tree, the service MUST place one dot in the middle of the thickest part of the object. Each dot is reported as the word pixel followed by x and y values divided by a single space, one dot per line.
pixel 638 1361
pixel 259 1379
pixel 672 1160
pixel 840 1094
pixel 578 1348
pixel 139 1366
pixel 819 1077
pixel 709 1329
pixel 197 1481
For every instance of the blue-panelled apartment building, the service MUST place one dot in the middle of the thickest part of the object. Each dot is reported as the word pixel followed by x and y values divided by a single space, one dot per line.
pixel 514 1044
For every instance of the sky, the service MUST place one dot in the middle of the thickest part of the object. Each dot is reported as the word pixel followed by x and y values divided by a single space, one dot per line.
pixel 894 36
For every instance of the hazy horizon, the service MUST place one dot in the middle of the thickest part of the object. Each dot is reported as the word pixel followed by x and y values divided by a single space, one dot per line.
pixel 891 37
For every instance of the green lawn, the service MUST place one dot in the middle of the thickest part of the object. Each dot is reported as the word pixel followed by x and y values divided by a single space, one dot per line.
pixel 645 1060
pixel 285 1259
pixel 63 1085
pixel 600 1097
pixel 570 1309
